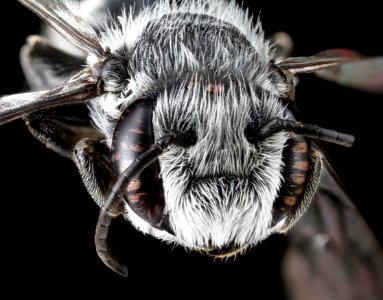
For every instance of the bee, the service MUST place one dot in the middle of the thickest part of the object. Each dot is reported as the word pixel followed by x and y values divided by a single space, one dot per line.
pixel 183 120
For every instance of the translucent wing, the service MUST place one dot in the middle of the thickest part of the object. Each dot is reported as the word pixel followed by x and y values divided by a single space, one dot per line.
pixel 332 253
pixel 64 17
pixel 342 66
pixel 358 71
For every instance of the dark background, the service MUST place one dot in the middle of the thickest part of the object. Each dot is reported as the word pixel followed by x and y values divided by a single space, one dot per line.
pixel 48 220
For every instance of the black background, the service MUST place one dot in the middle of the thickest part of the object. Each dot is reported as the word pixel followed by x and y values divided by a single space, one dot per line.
pixel 48 220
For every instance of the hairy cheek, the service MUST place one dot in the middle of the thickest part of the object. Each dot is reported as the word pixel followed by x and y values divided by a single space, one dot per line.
pixel 176 176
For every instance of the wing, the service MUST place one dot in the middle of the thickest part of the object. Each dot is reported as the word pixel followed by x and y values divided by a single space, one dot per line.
pixel 342 66
pixel 65 18
pixel 359 72
pixel 332 254
pixel 58 128
pixel 45 66
pixel 84 85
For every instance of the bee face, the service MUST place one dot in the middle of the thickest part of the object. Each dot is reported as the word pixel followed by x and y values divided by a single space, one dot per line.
pixel 212 85
pixel 219 185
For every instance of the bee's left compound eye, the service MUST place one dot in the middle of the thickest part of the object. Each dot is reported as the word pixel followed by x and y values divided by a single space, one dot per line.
pixel 133 136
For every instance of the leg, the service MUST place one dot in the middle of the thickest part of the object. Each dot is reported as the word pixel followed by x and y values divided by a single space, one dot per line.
pixel 61 128
pixel 92 160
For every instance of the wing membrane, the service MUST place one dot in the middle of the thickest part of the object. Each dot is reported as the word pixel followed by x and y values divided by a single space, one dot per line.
pixel 332 252
pixel 46 67
pixel 65 18
pixel 342 66
pixel 364 74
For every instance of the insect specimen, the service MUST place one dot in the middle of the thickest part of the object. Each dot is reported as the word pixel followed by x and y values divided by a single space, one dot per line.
pixel 181 119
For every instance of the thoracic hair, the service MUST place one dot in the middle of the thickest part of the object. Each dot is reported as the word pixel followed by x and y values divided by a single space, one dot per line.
pixel 208 67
